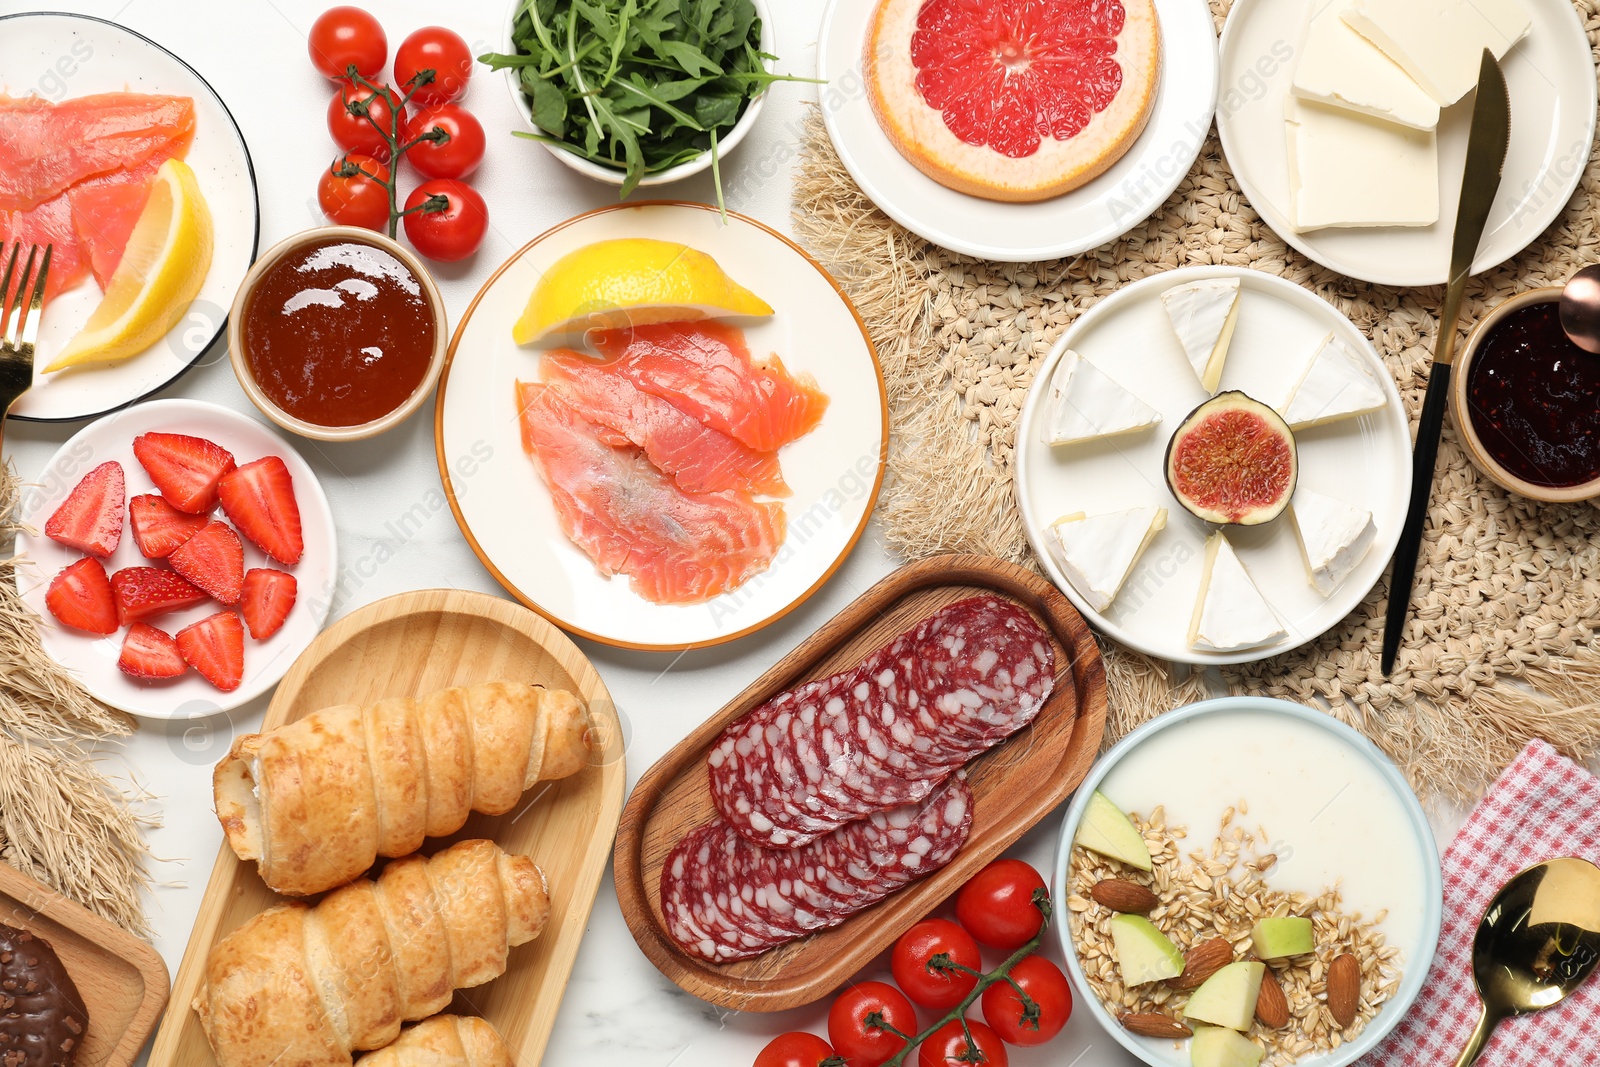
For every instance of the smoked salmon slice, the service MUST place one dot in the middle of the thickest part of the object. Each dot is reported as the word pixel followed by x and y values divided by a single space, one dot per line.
pixel 630 518
pixel 699 458
pixel 46 148
pixel 48 223
pixel 105 209
pixel 704 369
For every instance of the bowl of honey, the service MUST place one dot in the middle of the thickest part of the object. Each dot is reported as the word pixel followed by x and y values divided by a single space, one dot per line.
pixel 338 333
pixel 1526 401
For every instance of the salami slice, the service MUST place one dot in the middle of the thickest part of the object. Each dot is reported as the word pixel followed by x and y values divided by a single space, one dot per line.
pixel 726 899
pixel 886 732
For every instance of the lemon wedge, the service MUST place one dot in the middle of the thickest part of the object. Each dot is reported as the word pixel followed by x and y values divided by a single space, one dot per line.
pixel 631 282
pixel 168 255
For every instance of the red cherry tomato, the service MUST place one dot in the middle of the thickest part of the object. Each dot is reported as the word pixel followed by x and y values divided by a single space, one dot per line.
pixel 798 1049
pixel 454 233
pixel 1046 986
pixel 354 133
pixel 457 156
pixel 852 1038
pixel 913 972
pixel 997 907
pixel 948 1047
pixel 355 199
pixel 346 35
pixel 441 51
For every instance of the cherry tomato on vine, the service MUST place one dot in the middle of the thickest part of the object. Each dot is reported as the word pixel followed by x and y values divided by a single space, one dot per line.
pixel 860 1045
pixel 924 984
pixel 354 133
pixel 355 199
pixel 997 907
pixel 441 51
pixel 456 157
pixel 1046 986
pixel 798 1049
pixel 345 35
pixel 948 1047
pixel 454 233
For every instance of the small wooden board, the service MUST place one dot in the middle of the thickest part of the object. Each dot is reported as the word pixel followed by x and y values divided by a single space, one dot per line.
pixel 1015 784
pixel 122 980
pixel 410 645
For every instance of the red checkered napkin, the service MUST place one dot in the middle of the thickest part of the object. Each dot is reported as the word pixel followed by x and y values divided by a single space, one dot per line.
pixel 1542 807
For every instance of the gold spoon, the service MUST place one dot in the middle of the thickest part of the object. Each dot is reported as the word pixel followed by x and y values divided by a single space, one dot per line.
pixel 1536 944
pixel 1580 309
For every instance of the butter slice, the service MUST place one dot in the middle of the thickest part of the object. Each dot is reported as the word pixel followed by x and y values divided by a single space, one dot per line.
pixel 1440 43
pixel 1349 170
pixel 1340 67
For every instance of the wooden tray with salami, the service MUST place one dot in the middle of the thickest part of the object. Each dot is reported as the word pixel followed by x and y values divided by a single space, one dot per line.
pixel 859 782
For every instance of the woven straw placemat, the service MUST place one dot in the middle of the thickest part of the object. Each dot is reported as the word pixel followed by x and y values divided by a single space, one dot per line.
pixel 1504 643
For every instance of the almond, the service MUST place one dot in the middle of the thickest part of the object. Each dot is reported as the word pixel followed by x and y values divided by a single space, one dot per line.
pixel 1122 896
pixel 1153 1024
pixel 1272 1007
pixel 1203 961
pixel 1344 989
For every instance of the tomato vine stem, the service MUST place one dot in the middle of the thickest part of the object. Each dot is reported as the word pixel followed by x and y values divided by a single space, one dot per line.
pixel 343 168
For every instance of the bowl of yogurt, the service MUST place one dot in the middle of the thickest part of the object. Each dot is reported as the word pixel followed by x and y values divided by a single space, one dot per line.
pixel 1247 809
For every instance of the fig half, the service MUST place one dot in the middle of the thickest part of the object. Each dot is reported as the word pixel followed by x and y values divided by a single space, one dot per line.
pixel 1233 461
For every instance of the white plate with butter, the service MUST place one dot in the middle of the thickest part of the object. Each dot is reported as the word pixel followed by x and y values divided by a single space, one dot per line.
pixel 1364 462
pixel 1550 74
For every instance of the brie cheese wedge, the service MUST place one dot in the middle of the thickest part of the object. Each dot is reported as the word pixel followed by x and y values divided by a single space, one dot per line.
pixel 1230 614
pixel 1440 43
pixel 1203 315
pixel 1334 538
pixel 1340 67
pixel 1346 169
pixel 1085 404
pixel 1336 385
pixel 1097 553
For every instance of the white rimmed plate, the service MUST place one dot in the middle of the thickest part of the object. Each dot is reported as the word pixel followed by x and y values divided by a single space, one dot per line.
pixel 1319 788
pixel 1551 77
pixel 59 56
pixel 1101 211
pixel 1364 461
pixel 93 658
pixel 506 512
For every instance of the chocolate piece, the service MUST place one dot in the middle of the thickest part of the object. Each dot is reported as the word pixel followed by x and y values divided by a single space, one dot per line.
pixel 42 1018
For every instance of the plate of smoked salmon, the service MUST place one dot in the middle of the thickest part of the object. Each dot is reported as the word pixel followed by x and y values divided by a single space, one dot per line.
pixel 660 429
pixel 101 131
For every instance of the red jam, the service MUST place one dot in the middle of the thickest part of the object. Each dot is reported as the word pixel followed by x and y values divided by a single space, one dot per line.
pixel 1534 399
pixel 338 332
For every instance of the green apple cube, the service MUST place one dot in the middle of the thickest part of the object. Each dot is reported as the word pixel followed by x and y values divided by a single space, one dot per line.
pixel 1214 1046
pixel 1106 830
pixel 1276 938
pixel 1144 953
pixel 1228 998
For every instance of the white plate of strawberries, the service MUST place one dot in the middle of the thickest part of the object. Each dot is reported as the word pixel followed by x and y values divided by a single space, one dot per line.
pixel 182 556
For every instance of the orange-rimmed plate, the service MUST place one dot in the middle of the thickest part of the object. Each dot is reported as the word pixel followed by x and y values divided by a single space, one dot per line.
pixel 506 512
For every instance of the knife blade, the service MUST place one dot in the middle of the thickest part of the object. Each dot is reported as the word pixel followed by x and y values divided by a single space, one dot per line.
pixel 1487 142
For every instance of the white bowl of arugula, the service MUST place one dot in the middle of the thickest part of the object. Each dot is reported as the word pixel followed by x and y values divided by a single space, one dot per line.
pixel 666 94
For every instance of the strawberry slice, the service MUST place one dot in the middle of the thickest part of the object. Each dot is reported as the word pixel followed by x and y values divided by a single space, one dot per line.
pixel 80 597
pixel 145 592
pixel 267 600
pixel 214 646
pixel 186 469
pixel 213 559
pixel 150 654
pixel 259 498
pixel 90 519
pixel 158 527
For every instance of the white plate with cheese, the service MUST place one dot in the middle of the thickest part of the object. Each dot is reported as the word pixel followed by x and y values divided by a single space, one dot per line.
pixel 1301 87
pixel 1361 463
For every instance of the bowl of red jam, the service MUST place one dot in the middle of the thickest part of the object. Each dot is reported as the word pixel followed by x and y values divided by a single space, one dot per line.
pixel 1527 401
pixel 338 333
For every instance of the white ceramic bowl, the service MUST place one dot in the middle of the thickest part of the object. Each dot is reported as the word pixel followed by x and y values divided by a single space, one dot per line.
pixel 1422 905
pixel 614 176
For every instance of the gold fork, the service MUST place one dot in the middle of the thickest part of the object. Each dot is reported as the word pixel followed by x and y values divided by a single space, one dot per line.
pixel 19 316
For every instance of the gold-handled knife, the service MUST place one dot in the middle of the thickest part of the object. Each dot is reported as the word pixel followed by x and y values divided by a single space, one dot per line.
pixel 1486 158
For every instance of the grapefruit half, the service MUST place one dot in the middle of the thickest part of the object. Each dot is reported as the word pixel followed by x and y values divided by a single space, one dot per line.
pixel 1014 100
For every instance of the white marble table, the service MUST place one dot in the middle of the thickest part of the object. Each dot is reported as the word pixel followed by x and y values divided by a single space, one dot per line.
pixel 618 1010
